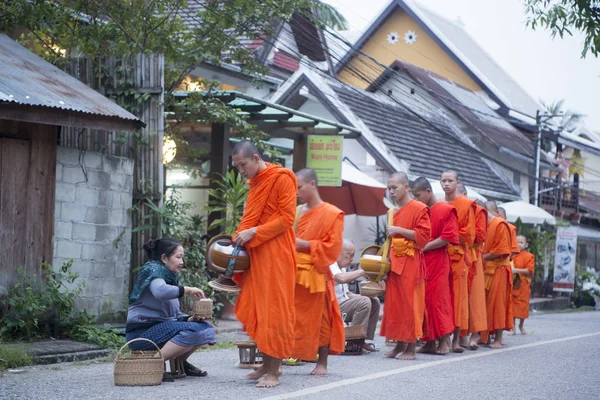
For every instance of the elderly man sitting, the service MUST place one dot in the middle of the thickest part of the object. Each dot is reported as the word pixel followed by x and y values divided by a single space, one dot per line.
pixel 356 309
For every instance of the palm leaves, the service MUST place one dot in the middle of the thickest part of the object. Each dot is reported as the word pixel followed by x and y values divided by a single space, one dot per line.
pixel 229 198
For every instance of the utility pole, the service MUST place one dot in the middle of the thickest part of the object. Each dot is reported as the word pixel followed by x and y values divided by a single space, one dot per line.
pixel 538 147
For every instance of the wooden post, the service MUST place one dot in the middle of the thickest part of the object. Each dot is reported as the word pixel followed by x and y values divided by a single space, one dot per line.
pixel 300 152
pixel 219 161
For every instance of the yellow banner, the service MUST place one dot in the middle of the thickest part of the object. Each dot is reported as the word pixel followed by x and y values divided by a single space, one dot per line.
pixel 324 156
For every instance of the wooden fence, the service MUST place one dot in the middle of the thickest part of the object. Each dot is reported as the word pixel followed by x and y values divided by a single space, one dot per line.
pixel 137 84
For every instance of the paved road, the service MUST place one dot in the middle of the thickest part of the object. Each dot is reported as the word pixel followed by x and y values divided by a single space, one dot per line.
pixel 558 360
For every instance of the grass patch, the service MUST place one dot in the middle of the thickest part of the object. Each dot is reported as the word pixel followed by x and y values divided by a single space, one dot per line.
pixel 11 356
pixel 571 310
pixel 218 346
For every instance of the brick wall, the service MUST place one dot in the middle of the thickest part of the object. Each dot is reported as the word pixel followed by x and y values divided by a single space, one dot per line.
pixel 93 195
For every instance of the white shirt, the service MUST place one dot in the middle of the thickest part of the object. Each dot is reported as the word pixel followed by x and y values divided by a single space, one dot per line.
pixel 341 289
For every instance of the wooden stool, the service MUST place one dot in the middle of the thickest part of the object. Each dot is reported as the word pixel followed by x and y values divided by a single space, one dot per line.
pixel 355 339
pixel 177 368
pixel 250 356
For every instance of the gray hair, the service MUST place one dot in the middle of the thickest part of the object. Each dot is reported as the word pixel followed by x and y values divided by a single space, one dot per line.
pixel 348 244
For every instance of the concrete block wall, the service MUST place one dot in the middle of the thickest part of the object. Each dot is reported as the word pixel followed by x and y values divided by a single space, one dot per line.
pixel 93 227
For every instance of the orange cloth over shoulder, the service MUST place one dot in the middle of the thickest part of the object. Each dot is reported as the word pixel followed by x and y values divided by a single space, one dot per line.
pixel 514 246
pixel 498 276
pixel 521 296
pixel 408 269
pixel 318 316
pixel 440 313
pixel 477 302
pixel 265 305
pixel 461 256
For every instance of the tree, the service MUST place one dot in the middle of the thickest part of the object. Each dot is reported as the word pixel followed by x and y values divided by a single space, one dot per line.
pixel 567 120
pixel 564 16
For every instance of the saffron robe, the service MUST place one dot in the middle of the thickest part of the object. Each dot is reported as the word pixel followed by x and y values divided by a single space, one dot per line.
pixel 438 302
pixel 407 270
pixel 514 246
pixel 265 304
pixel 498 277
pixel 460 257
pixel 318 316
pixel 521 296
pixel 477 303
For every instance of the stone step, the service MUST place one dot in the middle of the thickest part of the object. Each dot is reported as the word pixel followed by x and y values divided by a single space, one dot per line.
pixel 70 357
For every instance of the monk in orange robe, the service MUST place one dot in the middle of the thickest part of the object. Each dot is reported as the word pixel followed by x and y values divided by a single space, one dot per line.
pixel 265 305
pixel 514 246
pixel 409 233
pixel 438 303
pixel 476 282
pixel 319 238
pixel 524 268
pixel 460 255
pixel 498 277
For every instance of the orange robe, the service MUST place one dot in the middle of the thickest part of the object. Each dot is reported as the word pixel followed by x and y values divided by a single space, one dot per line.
pixel 514 246
pixel 521 296
pixel 461 260
pixel 408 269
pixel 498 277
pixel 265 305
pixel 438 303
pixel 318 316
pixel 477 304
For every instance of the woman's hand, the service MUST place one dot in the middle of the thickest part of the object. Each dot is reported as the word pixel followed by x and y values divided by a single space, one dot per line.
pixel 193 292
pixel 245 236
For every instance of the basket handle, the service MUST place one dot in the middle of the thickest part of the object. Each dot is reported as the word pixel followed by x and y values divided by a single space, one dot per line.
pixel 135 340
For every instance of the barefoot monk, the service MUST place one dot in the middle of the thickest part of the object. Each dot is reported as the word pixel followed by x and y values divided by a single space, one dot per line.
pixel 265 305
pixel 409 233
pixel 319 239
pixel 438 303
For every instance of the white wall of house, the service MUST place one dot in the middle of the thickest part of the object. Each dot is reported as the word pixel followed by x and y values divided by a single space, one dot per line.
pixel 93 227
pixel 234 81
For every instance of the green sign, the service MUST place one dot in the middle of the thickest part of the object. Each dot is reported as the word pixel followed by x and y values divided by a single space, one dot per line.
pixel 324 156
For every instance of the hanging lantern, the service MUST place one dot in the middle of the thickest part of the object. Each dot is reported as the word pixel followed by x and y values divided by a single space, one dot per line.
pixel 169 150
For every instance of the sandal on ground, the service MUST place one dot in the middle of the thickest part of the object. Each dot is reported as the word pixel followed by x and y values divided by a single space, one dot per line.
pixel 372 347
pixel 293 362
pixel 190 370
pixel 167 377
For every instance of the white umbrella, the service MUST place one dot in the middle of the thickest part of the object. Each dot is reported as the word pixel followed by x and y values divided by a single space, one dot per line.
pixel 528 213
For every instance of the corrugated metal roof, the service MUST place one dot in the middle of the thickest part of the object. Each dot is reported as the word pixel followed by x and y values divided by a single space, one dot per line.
pixel 30 80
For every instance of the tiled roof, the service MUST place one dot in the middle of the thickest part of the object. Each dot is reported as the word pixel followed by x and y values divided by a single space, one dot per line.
pixel 428 151
pixel 285 61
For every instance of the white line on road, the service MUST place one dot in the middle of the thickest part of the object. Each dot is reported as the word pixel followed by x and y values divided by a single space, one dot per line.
pixel 352 381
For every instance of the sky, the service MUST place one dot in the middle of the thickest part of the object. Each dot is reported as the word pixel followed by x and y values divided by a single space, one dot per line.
pixel 548 69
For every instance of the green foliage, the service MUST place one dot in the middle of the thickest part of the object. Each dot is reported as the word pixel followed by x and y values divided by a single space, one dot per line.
pixel 171 217
pixel 82 327
pixel 229 197
pixel 541 245
pixel 12 356
pixel 565 16
pixel 30 305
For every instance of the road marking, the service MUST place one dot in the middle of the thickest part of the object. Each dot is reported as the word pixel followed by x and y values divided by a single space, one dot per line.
pixel 378 375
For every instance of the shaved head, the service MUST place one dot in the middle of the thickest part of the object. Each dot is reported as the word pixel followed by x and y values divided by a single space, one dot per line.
pixel 421 184
pixel 491 206
pixel 460 188
pixel 308 175
pixel 502 212
pixel 400 177
pixel 246 148
pixel 451 171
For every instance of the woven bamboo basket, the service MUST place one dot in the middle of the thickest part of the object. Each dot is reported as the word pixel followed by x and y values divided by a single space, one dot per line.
pixel 372 291
pixel 203 309
pixel 140 368
pixel 250 356
pixel 355 339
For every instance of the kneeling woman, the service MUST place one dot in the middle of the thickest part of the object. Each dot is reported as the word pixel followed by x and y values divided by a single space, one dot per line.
pixel 154 311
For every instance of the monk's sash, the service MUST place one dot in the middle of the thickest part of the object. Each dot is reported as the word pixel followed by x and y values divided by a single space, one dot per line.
pixel 473 251
pixel 307 275
pixel 490 269
pixel 403 247
pixel 456 252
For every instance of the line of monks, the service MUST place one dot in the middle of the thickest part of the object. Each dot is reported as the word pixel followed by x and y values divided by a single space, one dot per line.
pixel 450 272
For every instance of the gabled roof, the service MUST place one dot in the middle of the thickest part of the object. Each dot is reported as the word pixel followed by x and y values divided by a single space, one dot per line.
pixel 469 106
pixel 28 80
pixel 464 50
pixel 296 39
pixel 400 137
